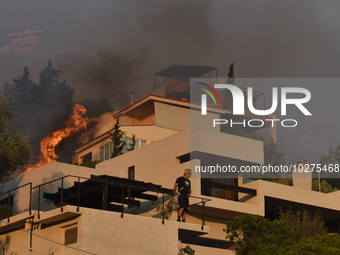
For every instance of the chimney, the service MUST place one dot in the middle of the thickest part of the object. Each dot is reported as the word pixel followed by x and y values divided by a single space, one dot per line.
pixel 302 175
pixel 131 98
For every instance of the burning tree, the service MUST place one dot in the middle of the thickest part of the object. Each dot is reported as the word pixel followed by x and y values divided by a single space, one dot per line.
pixel 76 122
pixel 14 150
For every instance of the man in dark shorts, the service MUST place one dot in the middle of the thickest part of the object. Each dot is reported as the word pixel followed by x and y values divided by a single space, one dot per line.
pixel 184 190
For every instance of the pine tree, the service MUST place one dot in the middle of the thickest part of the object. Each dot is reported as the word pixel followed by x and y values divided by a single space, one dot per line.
pixel 118 141
pixel 228 98
pixel 231 76
pixel 40 108
pixel 132 144
pixel 228 104
pixel 20 93
pixel 51 92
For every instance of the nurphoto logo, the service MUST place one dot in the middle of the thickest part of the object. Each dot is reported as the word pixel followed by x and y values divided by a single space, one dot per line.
pixel 239 104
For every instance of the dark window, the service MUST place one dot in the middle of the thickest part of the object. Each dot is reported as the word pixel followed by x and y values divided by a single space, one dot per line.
pixel 86 157
pixel 221 193
pixel 71 235
pixel 131 173
pixel 131 176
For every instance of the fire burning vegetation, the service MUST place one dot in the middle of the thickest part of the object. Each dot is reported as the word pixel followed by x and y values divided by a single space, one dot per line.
pixel 76 122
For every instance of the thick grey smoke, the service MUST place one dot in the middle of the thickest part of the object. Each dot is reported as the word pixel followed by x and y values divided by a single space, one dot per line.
pixel 110 48
pixel 104 75
pixel 125 50
pixel 266 39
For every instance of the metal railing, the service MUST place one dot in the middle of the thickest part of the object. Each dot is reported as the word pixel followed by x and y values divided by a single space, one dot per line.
pixel 62 191
pixel 9 198
pixel 203 200
pixel 78 194
pixel 167 81
pixel 162 83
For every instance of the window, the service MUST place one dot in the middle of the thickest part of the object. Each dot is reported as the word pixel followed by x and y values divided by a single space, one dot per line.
pixel 17 41
pixel 86 157
pixel 217 192
pixel 139 143
pixel 105 152
pixel 128 141
pixel 101 154
pixel 131 173
pixel 70 238
pixel 71 235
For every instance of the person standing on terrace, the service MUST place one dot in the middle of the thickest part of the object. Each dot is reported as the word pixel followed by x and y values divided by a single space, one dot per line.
pixel 184 189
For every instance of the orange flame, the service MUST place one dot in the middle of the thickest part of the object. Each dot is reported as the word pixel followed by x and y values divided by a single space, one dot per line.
pixel 76 122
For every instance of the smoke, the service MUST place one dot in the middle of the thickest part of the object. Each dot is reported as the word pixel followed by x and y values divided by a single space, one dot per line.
pixel 105 75
pixel 107 49
pixel 151 38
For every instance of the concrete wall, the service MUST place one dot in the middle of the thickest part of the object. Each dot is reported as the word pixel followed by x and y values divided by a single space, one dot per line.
pixel 289 193
pixel 226 145
pixel 17 241
pixel 168 116
pixel 42 175
pixel 155 162
pixel 106 123
pixel 107 233
pixel 148 133
pixel 99 232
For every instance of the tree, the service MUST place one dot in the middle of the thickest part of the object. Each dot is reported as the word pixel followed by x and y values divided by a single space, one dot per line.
pixel 253 234
pixel 322 244
pixel 170 206
pixel 325 186
pixel 187 250
pixel 228 104
pixel 231 75
pixel 40 108
pixel 118 141
pixel 14 150
pixel 4 209
pixel 132 144
pixel 304 224
pixel 19 94
pixel 332 157
pixel 272 154
pixel 90 163
pixel 228 98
